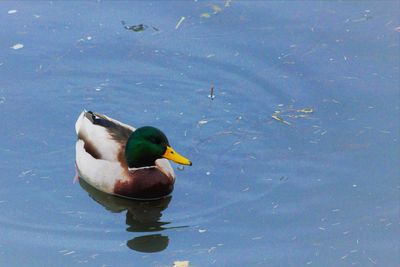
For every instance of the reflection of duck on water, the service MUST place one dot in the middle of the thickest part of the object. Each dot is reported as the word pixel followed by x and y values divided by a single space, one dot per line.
pixel 140 217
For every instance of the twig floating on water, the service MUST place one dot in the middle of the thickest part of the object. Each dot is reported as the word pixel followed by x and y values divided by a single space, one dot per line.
pixel 211 95
pixel 276 117
pixel 179 23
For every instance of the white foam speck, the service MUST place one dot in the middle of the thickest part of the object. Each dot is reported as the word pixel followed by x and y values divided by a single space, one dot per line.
pixel 12 11
pixel 17 46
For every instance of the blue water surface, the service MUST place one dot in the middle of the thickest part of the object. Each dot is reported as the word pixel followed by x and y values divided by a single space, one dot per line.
pixel 296 159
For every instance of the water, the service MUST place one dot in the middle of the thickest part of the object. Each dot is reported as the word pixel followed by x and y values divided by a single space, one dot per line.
pixel 322 191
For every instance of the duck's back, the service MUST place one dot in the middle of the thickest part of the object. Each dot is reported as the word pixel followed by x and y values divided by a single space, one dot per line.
pixel 103 137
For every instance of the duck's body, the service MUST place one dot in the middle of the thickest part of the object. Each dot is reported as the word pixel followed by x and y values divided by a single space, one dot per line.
pixel 115 158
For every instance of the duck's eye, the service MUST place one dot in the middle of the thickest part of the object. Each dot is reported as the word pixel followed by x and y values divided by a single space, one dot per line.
pixel 155 140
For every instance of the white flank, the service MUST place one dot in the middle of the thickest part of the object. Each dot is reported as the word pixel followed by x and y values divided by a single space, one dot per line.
pixel 101 174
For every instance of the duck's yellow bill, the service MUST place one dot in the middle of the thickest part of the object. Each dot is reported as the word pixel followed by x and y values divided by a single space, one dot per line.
pixel 171 154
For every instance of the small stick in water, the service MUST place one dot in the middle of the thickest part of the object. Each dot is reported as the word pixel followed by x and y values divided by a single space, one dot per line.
pixel 211 95
pixel 276 117
pixel 179 23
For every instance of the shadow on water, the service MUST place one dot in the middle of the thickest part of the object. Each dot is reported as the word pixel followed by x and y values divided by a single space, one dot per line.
pixel 141 217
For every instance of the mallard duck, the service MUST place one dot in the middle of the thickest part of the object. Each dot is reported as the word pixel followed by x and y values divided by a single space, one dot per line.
pixel 118 159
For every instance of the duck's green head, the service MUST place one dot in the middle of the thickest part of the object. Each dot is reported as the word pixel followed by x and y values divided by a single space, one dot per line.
pixel 146 145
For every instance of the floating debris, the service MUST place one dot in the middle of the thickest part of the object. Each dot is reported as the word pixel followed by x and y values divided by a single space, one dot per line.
pixel 24 173
pixel 205 15
pixel 179 23
pixel 181 264
pixel 276 117
pixel 203 122
pixel 306 110
pixel 371 260
pixel 17 46
pixel 216 8
pixel 12 11
pixel 227 3
pixel 290 112
pixel 137 28
pixel 283 178
pixel 211 249
pixel 211 95
pixel 69 253
pixel 202 230
pixel 397 29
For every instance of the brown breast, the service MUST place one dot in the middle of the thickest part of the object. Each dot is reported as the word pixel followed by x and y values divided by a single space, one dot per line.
pixel 146 183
